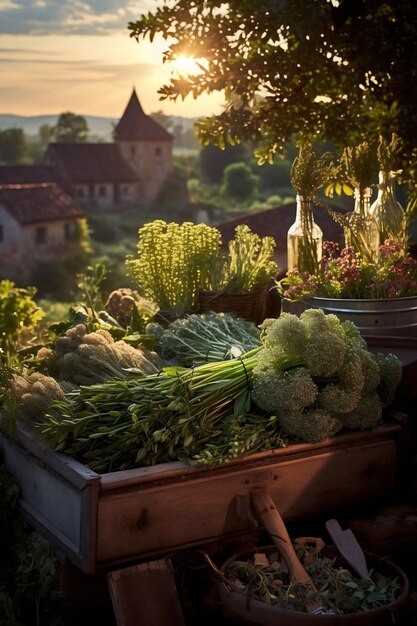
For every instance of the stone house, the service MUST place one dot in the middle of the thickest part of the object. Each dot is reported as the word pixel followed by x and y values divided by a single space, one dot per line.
pixel 129 171
pixel 38 223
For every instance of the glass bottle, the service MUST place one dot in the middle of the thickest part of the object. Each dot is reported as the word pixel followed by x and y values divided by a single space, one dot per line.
pixel 304 239
pixel 363 233
pixel 387 211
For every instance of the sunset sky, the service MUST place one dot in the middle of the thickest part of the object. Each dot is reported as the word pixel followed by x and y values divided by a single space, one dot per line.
pixel 76 55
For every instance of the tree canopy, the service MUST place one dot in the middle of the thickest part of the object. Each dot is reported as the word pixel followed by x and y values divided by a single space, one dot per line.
pixel 13 146
pixel 70 128
pixel 319 69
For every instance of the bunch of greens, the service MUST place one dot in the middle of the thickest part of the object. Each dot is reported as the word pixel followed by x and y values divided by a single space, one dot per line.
pixel 267 579
pixel 312 374
pixel 174 264
pixel 198 339
pixel 85 358
pixel 249 265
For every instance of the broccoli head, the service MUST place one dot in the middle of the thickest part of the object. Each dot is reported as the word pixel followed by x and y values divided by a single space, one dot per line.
pixel 311 425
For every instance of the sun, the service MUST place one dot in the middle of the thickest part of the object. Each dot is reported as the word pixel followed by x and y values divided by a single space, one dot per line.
pixel 186 65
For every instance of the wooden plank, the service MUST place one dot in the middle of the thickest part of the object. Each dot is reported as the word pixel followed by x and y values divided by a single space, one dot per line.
pixel 64 514
pixel 145 594
pixel 143 477
pixel 135 524
pixel 74 472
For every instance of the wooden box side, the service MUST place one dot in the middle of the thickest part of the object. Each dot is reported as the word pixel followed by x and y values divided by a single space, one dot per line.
pixel 135 523
pixel 63 512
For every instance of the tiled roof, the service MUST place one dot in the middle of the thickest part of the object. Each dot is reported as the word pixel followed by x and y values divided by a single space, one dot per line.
pixel 38 203
pixel 25 174
pixel 91 162
pixel 135 125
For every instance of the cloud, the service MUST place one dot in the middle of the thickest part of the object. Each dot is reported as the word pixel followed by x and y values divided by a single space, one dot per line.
pixel 62 17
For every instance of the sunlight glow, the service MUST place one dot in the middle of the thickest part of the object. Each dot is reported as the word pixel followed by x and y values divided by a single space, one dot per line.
pixel 186 65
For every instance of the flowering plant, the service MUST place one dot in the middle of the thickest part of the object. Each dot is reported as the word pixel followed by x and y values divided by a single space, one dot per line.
pixel 346 274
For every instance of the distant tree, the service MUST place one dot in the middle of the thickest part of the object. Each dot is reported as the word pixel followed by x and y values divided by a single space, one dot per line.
pixel 166 121
pixel 239 182
pixel 70 128
pixel 213 161
pixel 13 146
pixel 45 134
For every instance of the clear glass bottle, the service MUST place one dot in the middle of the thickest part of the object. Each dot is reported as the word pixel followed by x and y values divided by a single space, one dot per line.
pixel 363 234
pixel 304 239
pixel 387 211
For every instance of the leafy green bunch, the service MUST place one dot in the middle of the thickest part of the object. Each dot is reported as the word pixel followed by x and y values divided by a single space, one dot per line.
pixel 310 377
pixel 249 265
pixel 174 264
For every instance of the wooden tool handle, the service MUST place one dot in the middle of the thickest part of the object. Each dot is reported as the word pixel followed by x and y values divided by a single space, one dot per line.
pixel 273 522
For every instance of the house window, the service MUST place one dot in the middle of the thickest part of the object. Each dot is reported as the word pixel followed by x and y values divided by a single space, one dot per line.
pixel 158 151
pixel 67 232
pixel 102 191
pixel 40 234
pixel 1 233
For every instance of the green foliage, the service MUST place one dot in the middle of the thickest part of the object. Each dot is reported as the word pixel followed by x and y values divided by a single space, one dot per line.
pixel 213 160
pixel 174 263
pixel 198 339
pixel 70 128
pixel 19 316
pixel 239 183
pixel 249 265
pixel 29 593
pixel 323 71
pixel 13 146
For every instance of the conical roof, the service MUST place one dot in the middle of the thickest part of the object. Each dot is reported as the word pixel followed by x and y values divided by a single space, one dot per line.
pixel 135 125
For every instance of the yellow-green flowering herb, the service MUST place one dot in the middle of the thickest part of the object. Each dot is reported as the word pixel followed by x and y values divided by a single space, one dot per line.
pixel 249 265
pixel 358 165
pixel 174 263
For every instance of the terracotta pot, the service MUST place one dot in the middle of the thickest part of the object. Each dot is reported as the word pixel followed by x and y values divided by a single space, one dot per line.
pixel 237 605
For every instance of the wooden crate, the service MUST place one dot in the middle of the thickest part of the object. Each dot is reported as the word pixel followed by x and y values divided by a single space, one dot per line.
pixel 101 520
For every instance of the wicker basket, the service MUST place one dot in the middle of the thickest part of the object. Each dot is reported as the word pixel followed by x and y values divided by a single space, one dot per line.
pixel 249 306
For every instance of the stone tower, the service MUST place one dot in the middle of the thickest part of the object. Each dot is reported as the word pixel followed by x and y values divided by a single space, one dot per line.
pixel 146 146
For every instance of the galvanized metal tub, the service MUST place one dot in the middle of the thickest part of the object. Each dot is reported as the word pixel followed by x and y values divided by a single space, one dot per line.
pixel 390 317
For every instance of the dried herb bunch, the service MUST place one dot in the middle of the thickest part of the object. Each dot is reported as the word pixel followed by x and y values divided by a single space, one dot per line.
pixel 358 165
pixel 309 173
pixel 388 153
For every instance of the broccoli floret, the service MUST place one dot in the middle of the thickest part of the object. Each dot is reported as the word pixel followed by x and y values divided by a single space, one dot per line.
pixel 325 353
pixel 312 425
pixel 286 336
pixel 336 399
pixel 370 372
pixel 390 370
pixel 279 392
pixel 316 321
pixel 367 413
pixel 353 336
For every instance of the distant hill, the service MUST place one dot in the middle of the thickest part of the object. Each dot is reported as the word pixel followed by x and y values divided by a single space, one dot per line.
pixel 100 127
